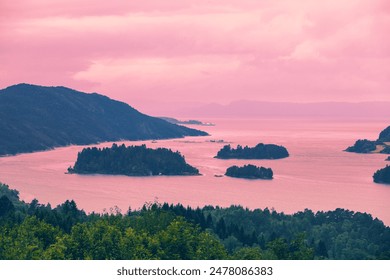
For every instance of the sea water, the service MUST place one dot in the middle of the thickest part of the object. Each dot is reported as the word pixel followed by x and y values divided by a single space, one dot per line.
pixel 318 175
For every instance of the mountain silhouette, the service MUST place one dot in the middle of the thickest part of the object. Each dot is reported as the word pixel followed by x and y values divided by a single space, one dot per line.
pixel 36 118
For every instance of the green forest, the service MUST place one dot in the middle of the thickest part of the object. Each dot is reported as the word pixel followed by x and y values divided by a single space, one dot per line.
pixel 131 161
pixel 260 151
pixel 162 231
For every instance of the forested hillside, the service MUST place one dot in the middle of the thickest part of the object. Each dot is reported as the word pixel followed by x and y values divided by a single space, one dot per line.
pixel 36 231
pixel 34 118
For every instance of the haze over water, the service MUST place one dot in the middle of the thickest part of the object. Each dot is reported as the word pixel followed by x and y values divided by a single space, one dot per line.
pixel 318 175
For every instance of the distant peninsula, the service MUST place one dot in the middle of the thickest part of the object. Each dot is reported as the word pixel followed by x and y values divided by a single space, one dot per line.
pixel 382 176
pixel 249 172
pixel 260 151
pixel 365 146
pixel 362 146
pixel 37 118
pixel 131 161
pixel 189 122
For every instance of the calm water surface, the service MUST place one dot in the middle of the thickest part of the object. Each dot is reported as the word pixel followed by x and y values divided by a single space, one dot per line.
pixel 317 175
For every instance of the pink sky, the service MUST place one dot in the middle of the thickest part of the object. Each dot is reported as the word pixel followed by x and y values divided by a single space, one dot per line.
pixel 156 53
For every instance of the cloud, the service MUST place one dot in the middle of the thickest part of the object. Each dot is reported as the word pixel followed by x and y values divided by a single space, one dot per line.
pixel 204 50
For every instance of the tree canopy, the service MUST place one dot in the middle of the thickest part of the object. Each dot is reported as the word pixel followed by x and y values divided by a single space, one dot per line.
pixel 65 232
pixel 164 231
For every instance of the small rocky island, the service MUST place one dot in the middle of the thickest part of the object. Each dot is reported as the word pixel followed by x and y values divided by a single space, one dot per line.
pixel 131 161
pixel 381 145
pixel 249 172
pixel 382 176
pixel 260 151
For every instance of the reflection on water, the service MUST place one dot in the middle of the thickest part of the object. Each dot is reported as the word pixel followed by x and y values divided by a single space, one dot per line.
pixel 317 175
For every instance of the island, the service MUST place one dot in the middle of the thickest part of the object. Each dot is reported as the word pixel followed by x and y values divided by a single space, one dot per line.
pixel 260 151
pixel 365 146
pixel 249 172
pixel 388 158
pixel 382 176
pixel 362 146
pixel 131 161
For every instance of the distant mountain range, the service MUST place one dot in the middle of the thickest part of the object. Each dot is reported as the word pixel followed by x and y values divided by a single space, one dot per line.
pixel 35 118
pixel 189 122
pixel 260 109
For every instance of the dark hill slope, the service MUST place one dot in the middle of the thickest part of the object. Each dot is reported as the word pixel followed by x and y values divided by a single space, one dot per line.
pixel 384 136
pixel 34 118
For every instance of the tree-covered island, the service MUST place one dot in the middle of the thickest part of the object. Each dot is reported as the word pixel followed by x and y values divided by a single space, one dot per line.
pixel 131 161
pixel 260 151
pixel 249 172
pixel 382 176
pixel 362 146
pixel 381 145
